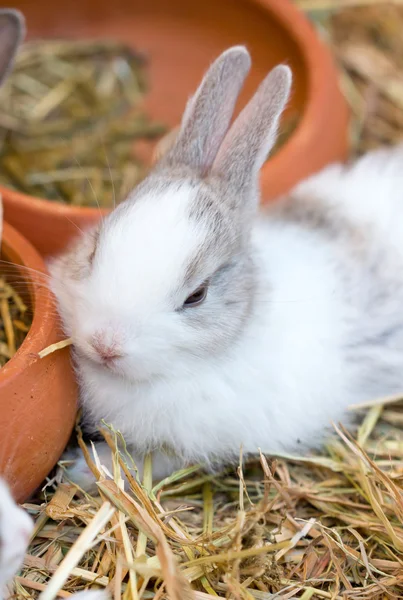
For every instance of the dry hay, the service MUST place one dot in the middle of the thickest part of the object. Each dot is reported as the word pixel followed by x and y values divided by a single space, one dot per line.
pixel 90 93
pixel 330 526
pixel 368 45
pixel 325 527
pixel 15 320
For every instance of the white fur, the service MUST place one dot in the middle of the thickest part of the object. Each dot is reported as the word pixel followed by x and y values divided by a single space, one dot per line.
pixel 369 192
pixel 325 329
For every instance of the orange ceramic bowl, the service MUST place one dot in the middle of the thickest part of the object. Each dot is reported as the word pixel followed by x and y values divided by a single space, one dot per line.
pixel 180 38
pixel 37 396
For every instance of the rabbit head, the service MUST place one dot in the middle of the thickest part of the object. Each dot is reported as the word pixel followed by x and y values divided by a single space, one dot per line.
pixel 168 277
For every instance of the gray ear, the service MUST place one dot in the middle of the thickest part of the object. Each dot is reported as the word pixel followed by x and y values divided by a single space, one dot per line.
pixel 12 31
pixel 252 136
pixel 209 112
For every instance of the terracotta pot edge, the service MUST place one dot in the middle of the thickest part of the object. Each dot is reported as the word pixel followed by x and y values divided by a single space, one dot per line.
pixel 44 323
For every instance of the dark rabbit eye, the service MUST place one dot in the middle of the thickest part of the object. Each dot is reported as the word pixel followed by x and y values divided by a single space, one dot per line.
pixel 197 297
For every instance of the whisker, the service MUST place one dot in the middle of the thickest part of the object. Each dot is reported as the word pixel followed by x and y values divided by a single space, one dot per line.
pixel 91 186
pixel 75 225
pixel 22 284
pixel 10 275
pixel 35 276
pixel 38 304
pixel 31 270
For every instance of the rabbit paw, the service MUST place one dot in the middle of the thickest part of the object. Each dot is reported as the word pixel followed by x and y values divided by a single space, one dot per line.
pixel 77 470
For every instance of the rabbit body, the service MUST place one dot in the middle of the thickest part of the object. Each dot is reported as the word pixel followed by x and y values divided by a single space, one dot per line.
pixel 303 311
pixel 325 331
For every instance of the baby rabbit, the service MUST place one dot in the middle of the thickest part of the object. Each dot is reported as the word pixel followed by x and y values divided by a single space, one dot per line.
pixel 201 323
pixel 16 528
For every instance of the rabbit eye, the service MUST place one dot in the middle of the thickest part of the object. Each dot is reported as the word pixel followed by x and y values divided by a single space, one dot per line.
pixel 197 297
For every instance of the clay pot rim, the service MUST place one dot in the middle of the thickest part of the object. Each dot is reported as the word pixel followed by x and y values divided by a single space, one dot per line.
pixel 316 60
pixel 44 319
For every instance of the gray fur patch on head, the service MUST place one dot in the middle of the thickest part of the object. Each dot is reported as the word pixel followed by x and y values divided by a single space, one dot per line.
pixel 232 286
pixel 223 317
pixel 221 236
pixel 158 182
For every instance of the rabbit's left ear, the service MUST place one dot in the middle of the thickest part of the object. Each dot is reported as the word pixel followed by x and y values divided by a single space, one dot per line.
pixel 252 136
pixel 12 31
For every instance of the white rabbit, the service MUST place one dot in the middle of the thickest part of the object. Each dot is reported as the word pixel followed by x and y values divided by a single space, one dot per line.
pixel 201 324
pixel 16 528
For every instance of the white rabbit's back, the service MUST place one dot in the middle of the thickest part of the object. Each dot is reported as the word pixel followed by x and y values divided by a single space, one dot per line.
pixel 326 332
pixel 369 193
pixel 353 215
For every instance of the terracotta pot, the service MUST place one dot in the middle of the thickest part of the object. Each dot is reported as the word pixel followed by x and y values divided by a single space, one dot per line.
pixel 37 396
pixel 180 38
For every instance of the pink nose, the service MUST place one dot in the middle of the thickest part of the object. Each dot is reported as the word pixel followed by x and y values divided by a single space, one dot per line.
pixel 106 351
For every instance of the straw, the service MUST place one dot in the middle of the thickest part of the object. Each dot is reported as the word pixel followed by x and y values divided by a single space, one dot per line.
pixel 71 114
pixel 55 347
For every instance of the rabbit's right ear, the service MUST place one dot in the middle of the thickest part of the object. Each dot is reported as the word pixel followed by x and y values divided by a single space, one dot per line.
pixel 208 113
pixel 12 32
